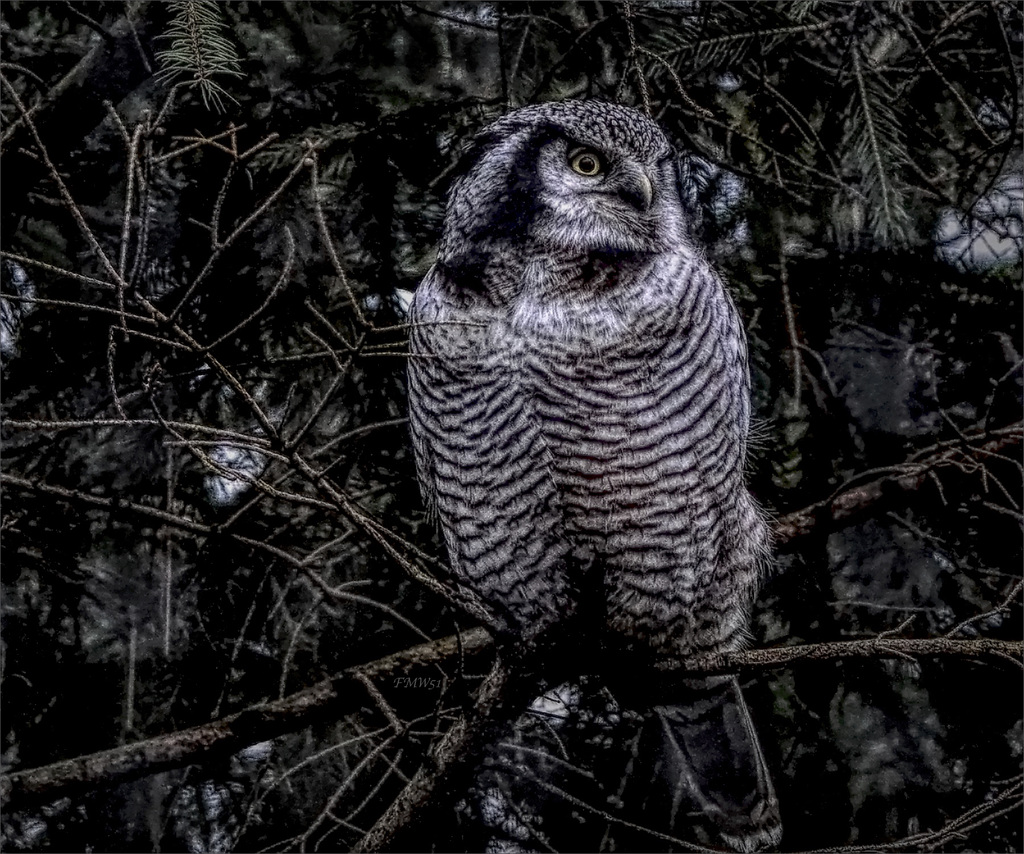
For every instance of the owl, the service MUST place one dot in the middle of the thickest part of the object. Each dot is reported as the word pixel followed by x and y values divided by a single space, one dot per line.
pixel 579 408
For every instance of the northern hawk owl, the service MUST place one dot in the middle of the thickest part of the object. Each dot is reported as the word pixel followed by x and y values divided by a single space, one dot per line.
pixel 579 406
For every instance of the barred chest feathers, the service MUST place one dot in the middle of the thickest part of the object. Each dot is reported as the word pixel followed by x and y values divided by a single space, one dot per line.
pixel 578 402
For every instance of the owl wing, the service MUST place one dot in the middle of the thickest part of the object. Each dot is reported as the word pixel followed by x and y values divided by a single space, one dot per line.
pixel 725 327
pixel 735 345
pixel 482 461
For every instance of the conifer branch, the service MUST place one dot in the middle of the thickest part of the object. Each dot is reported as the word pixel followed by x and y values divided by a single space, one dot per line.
pixel 876 150
pixel 199 49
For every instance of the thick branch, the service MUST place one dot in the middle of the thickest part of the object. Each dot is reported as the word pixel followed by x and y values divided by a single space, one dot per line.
pixel 906 477
pixel 342 693
pixel 879 647
pixel 346 692
pixel 461 739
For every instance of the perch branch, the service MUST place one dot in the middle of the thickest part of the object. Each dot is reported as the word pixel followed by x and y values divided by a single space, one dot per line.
pixel 343 693
pixel 881 647
pixel 346 692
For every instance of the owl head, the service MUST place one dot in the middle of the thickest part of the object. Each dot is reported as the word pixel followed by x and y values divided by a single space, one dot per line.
pixel 573 178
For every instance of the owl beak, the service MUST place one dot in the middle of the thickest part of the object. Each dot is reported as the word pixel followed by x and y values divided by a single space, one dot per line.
pixel 635 187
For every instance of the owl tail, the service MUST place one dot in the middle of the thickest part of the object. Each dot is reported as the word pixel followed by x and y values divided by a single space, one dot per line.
pixel 709 774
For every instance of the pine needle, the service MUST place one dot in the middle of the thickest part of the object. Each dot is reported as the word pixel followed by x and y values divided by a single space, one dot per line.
pixel 199 49
pixel 875 149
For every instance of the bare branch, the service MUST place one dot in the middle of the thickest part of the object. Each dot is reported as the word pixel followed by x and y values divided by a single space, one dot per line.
pixel 759 659
pixel 850 500
pixel 458 743
pixel 331 697
pixel 344 692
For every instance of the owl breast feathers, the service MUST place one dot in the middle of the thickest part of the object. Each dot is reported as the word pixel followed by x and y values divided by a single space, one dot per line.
pixel 579 388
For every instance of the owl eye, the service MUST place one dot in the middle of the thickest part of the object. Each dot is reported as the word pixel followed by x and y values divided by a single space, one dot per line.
pixel 586 163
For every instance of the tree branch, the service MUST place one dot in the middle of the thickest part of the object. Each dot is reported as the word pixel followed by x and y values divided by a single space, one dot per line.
pixel 343 693
pixel 849 501
pixel 346 692
pixel 465 735
pixel 451 753
pixel 336 695
pixel 880 647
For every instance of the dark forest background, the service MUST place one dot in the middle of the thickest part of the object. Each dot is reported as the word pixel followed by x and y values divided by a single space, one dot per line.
pixel 227 624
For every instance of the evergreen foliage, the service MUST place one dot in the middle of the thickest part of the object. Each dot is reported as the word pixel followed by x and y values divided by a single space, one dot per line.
pixel 199 49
